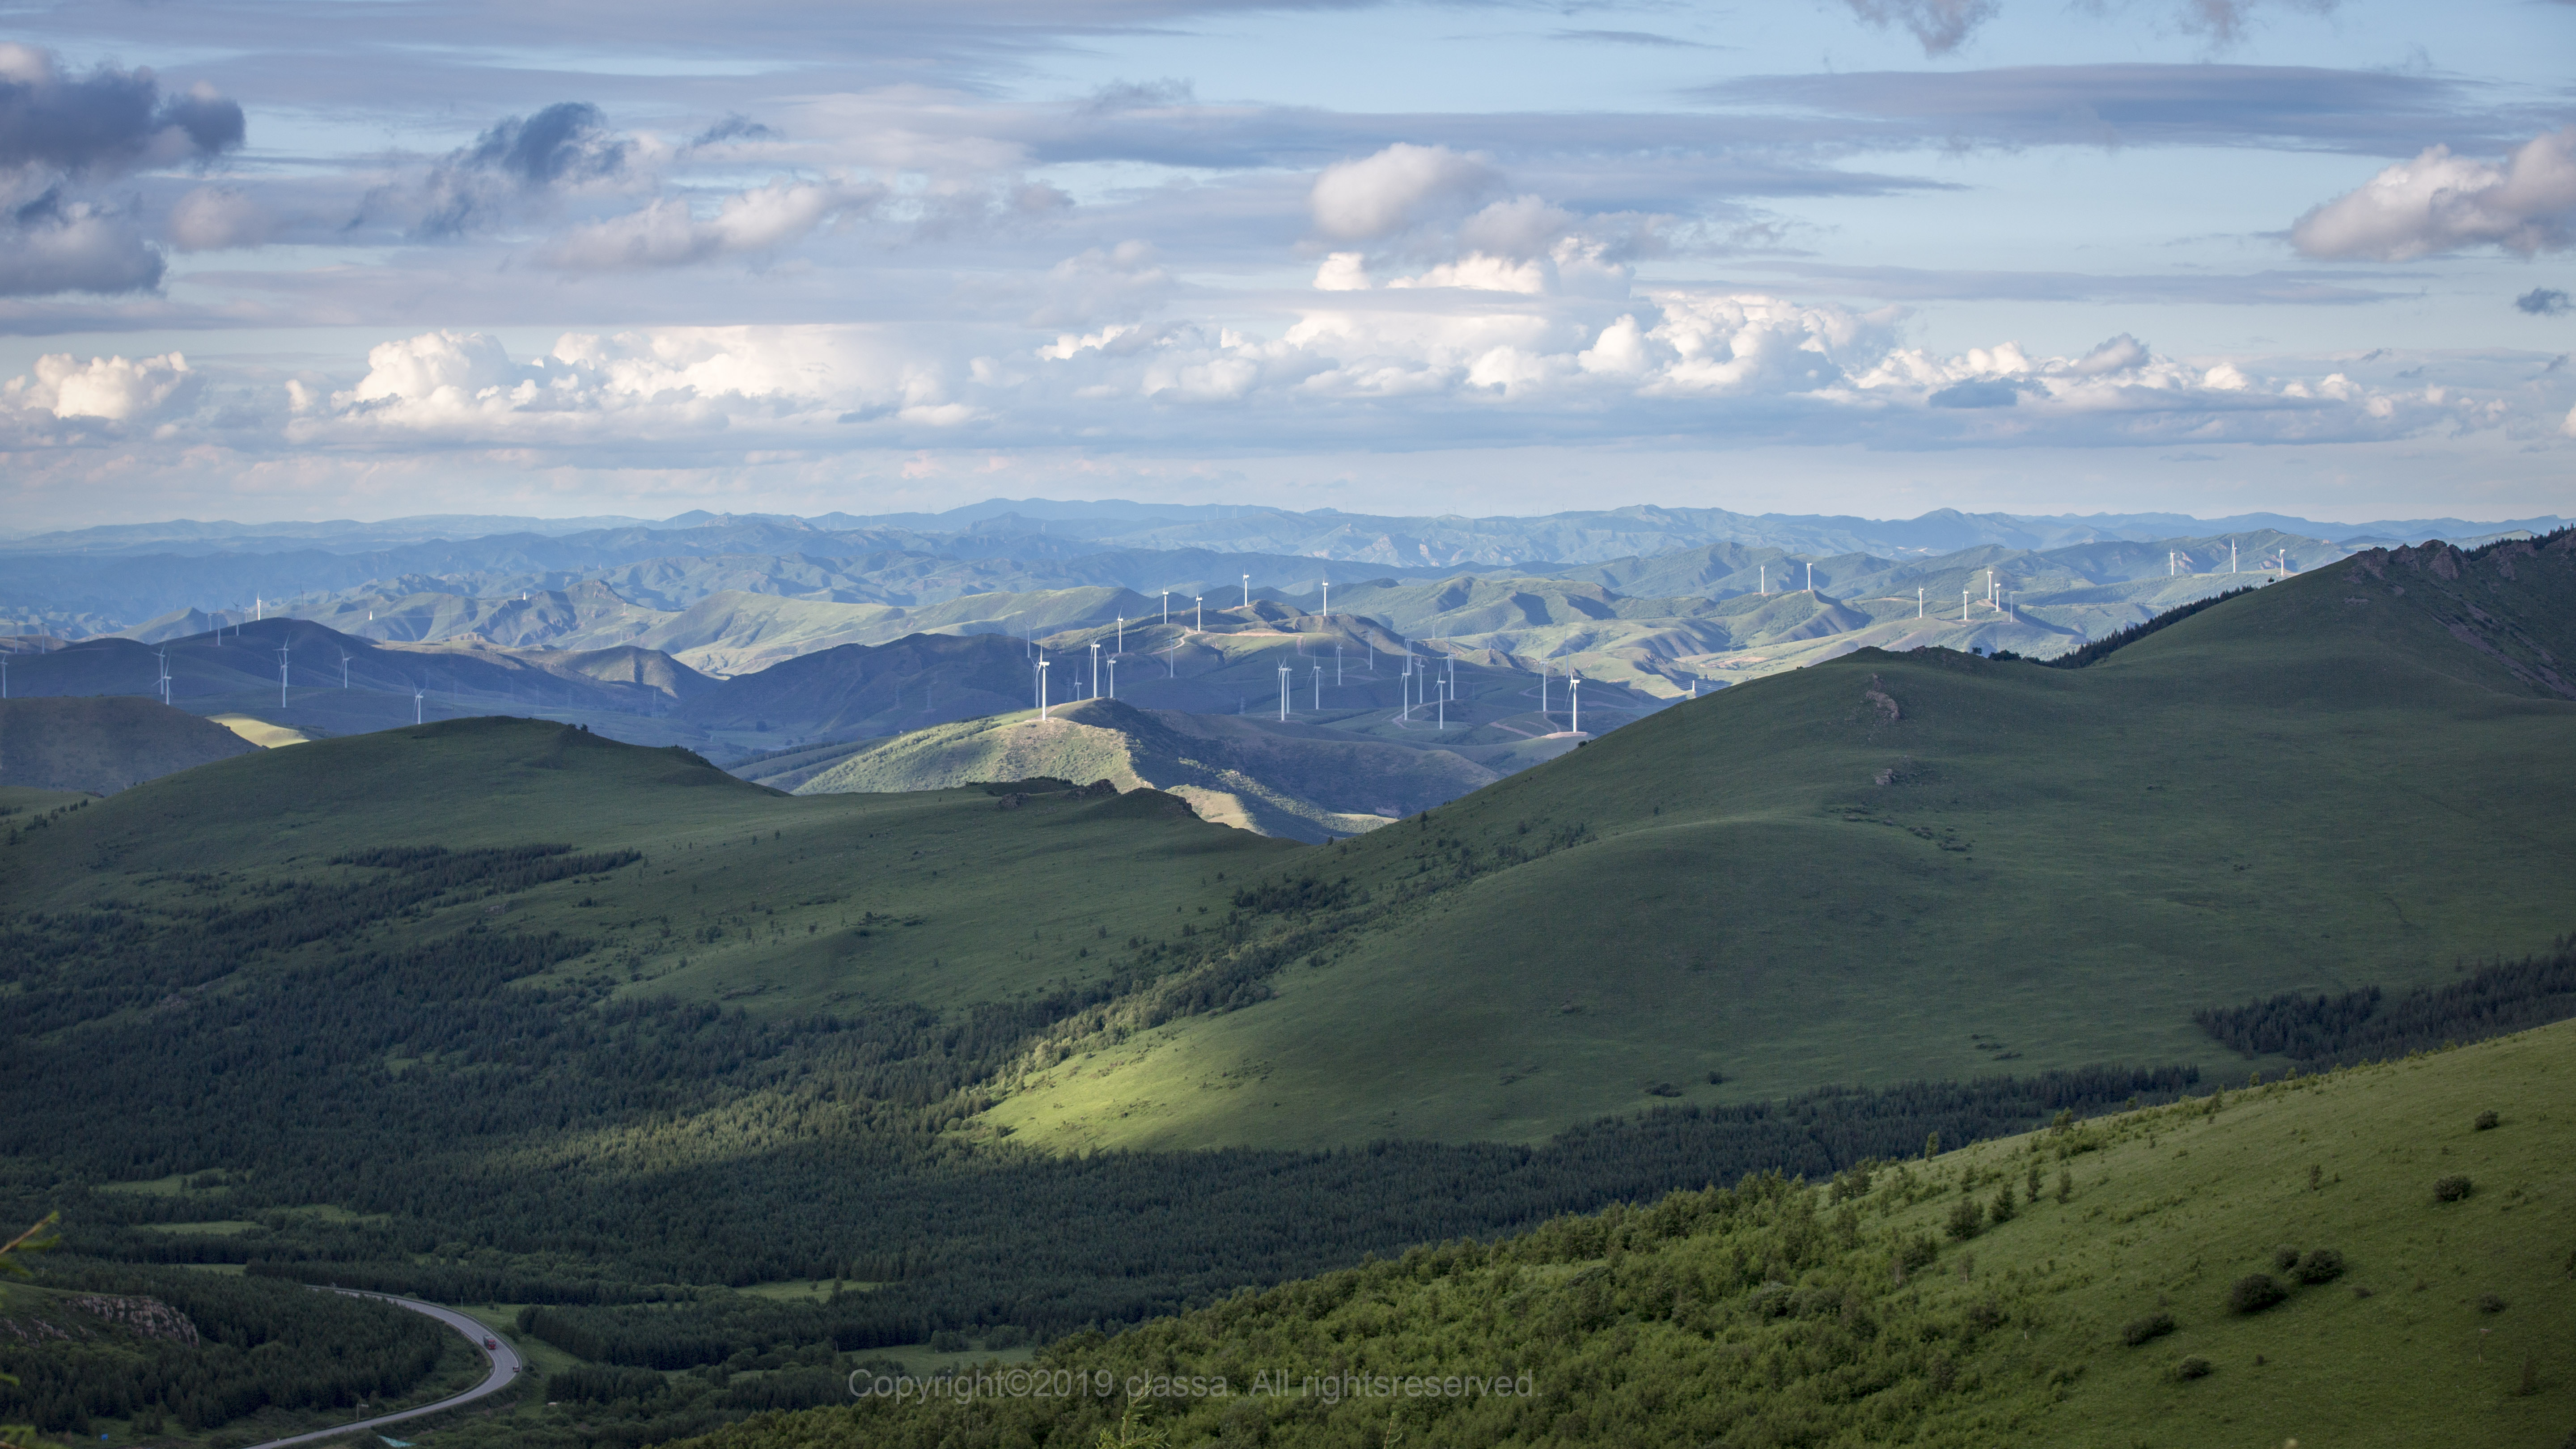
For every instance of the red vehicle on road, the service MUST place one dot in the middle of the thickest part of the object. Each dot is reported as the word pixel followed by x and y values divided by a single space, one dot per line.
pixel 492 1343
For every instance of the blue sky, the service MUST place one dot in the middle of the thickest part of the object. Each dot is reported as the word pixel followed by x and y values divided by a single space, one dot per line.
pixel 376 257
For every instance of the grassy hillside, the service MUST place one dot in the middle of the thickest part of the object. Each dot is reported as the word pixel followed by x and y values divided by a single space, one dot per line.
pixel 1299 781
pixel 104 744
pixel 1891 1306
pixel 1921 864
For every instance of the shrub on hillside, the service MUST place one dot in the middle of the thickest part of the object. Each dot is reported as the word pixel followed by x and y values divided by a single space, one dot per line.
pixel 2451 1189
pixel 2147 1330
pixel 1966 1218
pixel 2485 1121
pixel 2285 1258
pixel 2490 1303
pixel 2254 1292
pixel 2194 1367
pixel 2321 1265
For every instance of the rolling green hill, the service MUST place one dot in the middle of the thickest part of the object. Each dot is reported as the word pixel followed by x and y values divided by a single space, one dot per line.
pixel 2104 1313
pixel 105 744
pixel 1927 864
pixel 1300 781
pixel 508 1013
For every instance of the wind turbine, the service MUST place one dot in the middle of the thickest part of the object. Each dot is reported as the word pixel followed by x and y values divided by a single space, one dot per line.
pixel 344 669
pixel 1167 606
pixel 1199 602
pixel 1042 689
pixel 1283 694
pixel 1328 601
pixel 1095 669
pixel 1122 633
pixel 2231 555
pixel 1811 578
pixel 1918 601
pixel 1337 666
pixel 1247 591
pixel 1319 689
pixel 1963 605
pixel 1113 676
pixel 164 685
pixel 1574 700
pixel 4 676
pixel 415 703
pixel 281 676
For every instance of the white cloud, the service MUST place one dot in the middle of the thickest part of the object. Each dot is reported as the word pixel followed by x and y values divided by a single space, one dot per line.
pixel 51 246
pixel 110 388
pixel 1400 187
pixel 2439 202
pixel 669 233
pixel 218 218
pixel 1121 282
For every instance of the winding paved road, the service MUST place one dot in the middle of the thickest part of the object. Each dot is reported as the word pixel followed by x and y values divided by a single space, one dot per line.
pixel 505 1367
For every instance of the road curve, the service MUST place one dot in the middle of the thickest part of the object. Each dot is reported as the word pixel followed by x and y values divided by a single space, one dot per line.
pixel 505 1367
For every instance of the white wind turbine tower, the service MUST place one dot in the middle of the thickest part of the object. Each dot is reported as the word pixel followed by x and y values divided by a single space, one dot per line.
pixel 1095 669
pixel 1811 578
pixel 1574 702
pixel 1319 689
pixel 1247 591
pixel 1042 689
pixel 416 697
pixel 1113 676
pixel 1167 606
pixel 1199 602
pixel 1122 633
pixel 4 676
pixel 344 669
pixel 1328 601
pixel 1283 694
pixel 1337 666
pixel 2231 555
pixel 281 676
pixel 1172 661
pixel 1964 595
pixel 1918 601
pixel 164 685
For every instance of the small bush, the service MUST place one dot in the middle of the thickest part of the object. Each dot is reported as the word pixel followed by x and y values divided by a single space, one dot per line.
pixel 2321 1265
pixel 2486 1121
pixel 2490 1303
pixel 2194 1367
pixel 2285 1258
pixel 1966 1218
pixel 2002 1209
pixel 2451 1189
pixel 2147 1330
pixel 2254 1292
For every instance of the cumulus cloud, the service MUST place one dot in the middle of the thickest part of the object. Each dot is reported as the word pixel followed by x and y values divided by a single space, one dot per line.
pixel 668 232
pixel 2439 202
pixel 1940 25
pixel 523 162
pixel 104 123
pixel 51 245
pixel 2542 302
pixel 1400 187
pixel 1120 283
pixel 1422 365
pixel 109 388
pixel 219 218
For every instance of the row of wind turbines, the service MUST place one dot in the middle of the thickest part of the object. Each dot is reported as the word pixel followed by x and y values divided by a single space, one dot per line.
pixel 1424 683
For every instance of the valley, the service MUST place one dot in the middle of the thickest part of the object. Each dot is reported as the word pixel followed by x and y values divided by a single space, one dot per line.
pixel 957 1028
